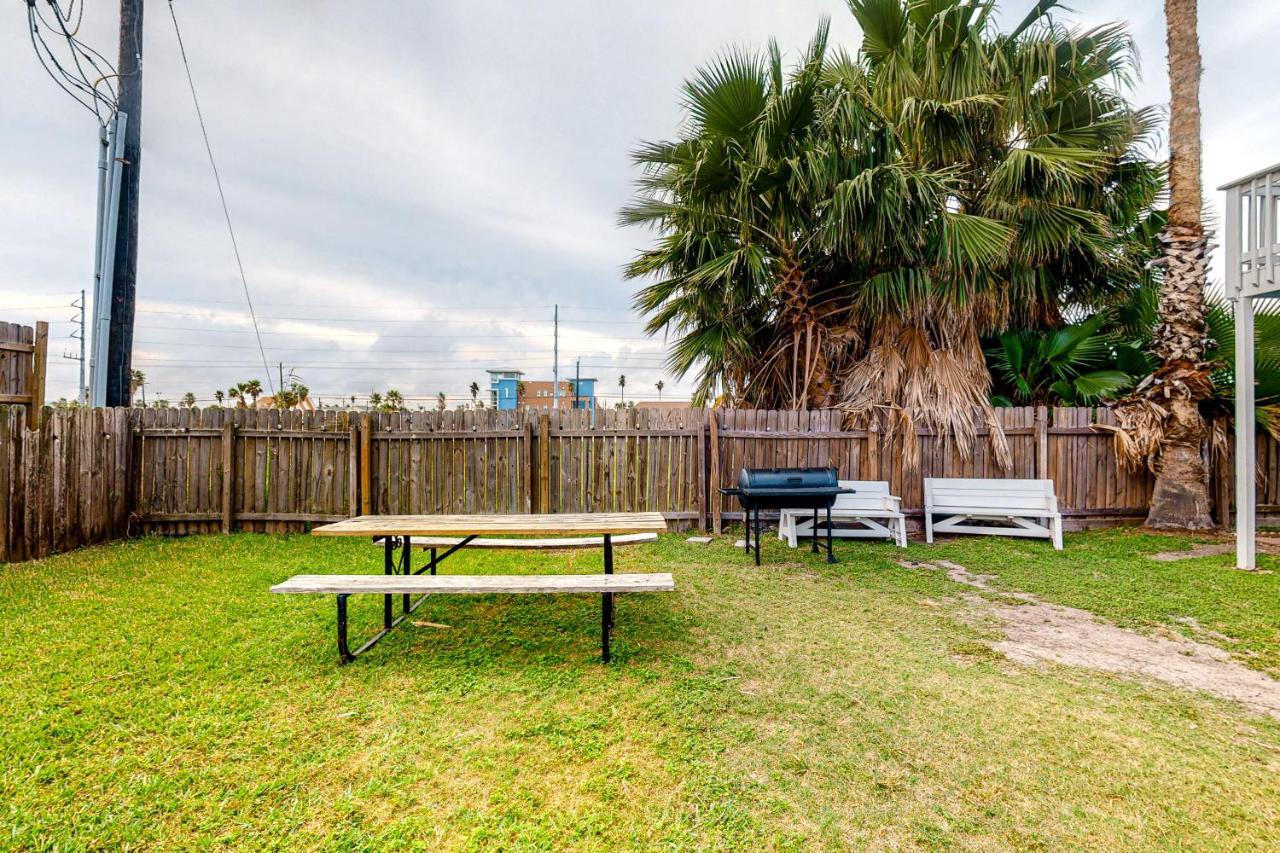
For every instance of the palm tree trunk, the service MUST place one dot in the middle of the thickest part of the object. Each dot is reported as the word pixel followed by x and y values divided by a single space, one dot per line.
pixel 1181 497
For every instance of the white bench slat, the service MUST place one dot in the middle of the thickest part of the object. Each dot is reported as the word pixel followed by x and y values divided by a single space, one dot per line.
pixel 474 584
pixel 550 544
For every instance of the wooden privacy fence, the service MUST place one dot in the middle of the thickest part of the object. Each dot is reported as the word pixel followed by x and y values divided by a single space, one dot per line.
pixel 24 353
pixel 88 476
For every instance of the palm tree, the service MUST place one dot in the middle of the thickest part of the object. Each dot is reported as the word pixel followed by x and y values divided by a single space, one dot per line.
pixel 219 396
pixel 622 387
pixel 442 402
pixel 394 400
pixel 236 392
pixel 659 385
pixel 1161 423
pixel 1077 365
pixel 188 400
pixel 138 382
pixel 253 388
pixel 475 393
pixel 375 401
pixel 846 234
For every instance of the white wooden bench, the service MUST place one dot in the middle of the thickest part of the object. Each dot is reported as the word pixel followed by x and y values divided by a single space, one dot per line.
pixel 876 513
pixel 1028 508
pixel 344 586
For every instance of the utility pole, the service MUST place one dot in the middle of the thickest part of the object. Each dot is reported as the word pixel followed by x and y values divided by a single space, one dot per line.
pixel 125 273
pixel 555 362
pixel 82 393
pixel 577 381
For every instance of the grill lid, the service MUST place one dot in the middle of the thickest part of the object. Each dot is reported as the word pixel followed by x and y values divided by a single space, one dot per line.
pixel 787 479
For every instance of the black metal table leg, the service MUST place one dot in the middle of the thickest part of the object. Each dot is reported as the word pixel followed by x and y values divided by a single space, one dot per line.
pixel 433 561
pixel 831 558
pixel 406 567
pixel 608 570
pixel 388 568
pixel 813 537
pixel 344 653
pixel 757 536
pixel 606 622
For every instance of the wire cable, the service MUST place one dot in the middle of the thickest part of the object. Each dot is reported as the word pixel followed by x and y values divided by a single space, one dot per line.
pixel 221 195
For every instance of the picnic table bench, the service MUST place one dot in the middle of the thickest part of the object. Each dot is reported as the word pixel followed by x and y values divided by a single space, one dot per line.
pixel 397 532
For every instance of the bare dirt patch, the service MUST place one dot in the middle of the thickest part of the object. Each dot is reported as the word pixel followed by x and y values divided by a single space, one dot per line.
pixel 1036 632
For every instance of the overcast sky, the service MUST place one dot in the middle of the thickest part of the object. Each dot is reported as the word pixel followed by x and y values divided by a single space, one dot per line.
pixel 414 185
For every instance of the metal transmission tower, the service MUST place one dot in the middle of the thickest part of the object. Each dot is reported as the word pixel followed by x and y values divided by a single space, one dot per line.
pixel 82 392
pixel 90 79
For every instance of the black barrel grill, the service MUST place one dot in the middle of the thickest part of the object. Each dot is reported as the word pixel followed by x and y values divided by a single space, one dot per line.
pixel 786 488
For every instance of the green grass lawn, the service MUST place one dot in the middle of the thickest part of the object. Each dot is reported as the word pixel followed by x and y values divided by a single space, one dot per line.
pixel 154 694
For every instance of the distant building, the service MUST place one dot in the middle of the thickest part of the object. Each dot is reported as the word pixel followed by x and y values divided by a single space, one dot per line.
pixel 504 388
pixel 509 391
pixel 665 405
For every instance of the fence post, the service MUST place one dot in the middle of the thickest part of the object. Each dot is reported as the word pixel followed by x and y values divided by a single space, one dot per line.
pixel 228 475
pixel 713 478
pixel 35 378
pixel 544 463
pixel 366 464
pixel 702 472
pixel 6 468
pixel 353 467
pixel 1041 425
pixel 530 498
pixel 873 448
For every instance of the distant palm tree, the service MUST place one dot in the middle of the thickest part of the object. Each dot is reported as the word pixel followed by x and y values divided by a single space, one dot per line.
pixel 236 392
pixel 442 402
pixel 475 393
pixel 219 396
pixel 375 401
pixel 254 389
pixel 394 400
pixel 659 385
pixel 138 382
pixel 188 400
pixel 622 385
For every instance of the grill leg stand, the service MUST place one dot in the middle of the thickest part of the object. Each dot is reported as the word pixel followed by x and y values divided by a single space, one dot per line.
pixel 757 536
pixel 388 568
pixel 831 557
pixel 344 652
pixel 813 538
pixel 606 622
pixel 746 532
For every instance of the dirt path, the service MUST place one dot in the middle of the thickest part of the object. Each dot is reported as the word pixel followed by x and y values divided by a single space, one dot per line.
pixel 1035 632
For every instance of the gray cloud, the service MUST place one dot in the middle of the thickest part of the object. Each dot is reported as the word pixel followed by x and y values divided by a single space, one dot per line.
pixel 414 185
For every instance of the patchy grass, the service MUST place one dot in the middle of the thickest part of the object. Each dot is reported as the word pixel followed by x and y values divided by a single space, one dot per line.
pixel 1111 574
pixel 156 695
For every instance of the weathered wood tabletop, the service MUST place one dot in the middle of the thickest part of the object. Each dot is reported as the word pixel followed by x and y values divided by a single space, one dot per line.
pixel 514 524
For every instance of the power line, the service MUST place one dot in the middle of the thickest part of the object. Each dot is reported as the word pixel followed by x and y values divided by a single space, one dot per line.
pixel 221 195
pixel 432 320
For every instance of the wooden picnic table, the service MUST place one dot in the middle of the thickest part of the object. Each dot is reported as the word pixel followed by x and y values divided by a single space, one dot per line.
pixel 396 532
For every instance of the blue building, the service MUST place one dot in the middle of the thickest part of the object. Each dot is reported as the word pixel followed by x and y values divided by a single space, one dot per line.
pixel 508 391
pixel 504 388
